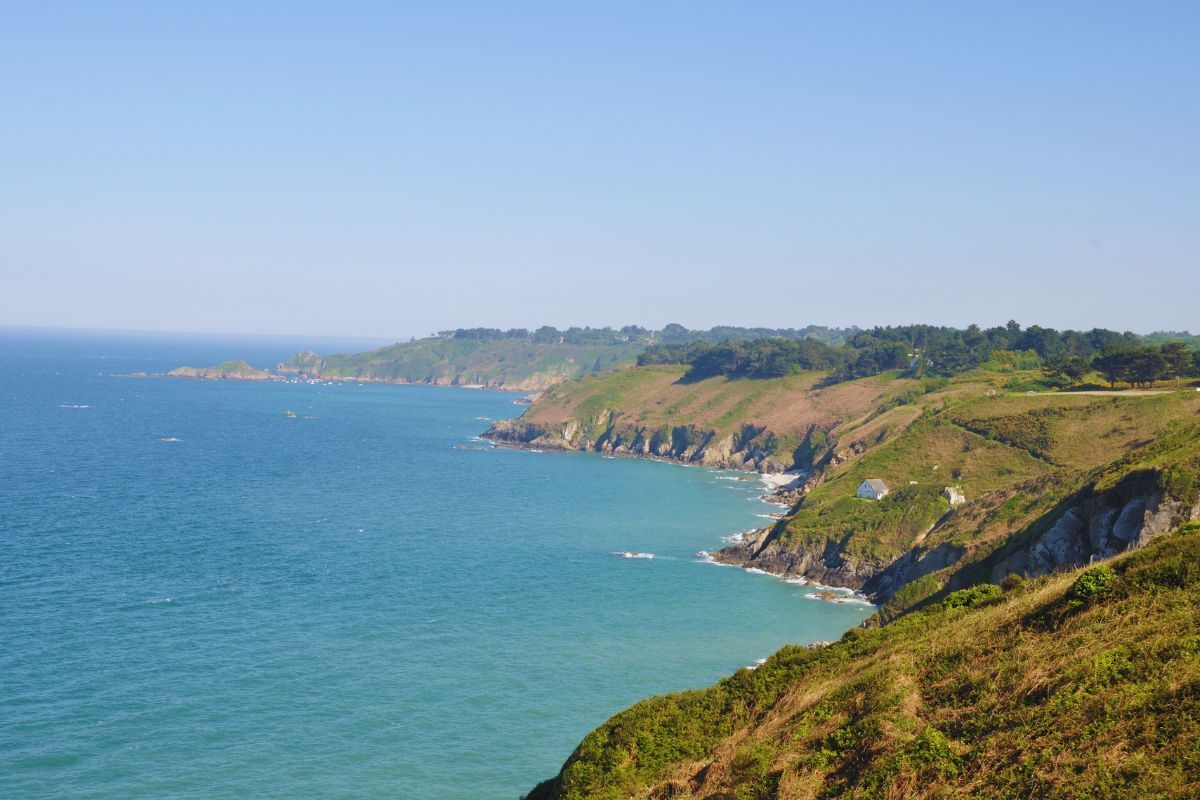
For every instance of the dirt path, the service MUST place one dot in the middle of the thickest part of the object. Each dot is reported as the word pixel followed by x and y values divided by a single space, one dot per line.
pixel 1110 392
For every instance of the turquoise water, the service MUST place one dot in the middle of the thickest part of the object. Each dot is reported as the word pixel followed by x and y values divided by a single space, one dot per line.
pixel 345 606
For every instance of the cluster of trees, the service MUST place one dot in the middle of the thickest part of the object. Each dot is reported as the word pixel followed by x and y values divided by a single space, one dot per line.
pixel 948 351
pixel 548 334
pixel 934 350
pixel 1143 366
pixel 673 334
pixel 755 358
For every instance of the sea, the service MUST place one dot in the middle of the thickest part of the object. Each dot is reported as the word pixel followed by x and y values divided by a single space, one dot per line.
pixel 203 597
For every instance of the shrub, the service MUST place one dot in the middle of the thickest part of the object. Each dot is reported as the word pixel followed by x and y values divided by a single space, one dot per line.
pixel 1092 585
pixel 982 595
pixel 1012 582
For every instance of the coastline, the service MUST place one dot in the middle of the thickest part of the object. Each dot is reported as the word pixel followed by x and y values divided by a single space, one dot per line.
pixel 778 483
pixel 779 488
pixel 284 378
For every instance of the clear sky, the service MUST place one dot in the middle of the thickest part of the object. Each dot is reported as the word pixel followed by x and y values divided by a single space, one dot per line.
pixel 388 169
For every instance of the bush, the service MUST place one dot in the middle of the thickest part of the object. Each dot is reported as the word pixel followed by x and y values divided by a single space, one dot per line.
pixel 1092 585
pixel 982 595
pixel 1012 582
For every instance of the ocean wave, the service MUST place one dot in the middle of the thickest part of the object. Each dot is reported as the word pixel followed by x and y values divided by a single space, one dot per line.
pixel 632 554
pixel 841 600
pixel 73 405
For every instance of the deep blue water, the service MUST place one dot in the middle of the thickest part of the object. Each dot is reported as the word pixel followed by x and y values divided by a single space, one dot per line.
pixel 351 605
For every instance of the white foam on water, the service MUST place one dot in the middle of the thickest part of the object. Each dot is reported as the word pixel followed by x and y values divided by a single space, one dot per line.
pixel 632 554
pixel 705 557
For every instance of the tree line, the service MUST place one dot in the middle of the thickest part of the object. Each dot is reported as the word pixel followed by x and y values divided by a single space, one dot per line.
pixel 937 350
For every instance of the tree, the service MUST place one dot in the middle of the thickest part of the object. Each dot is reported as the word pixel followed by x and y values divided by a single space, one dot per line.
pixel 1113 366
pixel 1177 360
pixel 1067 368
pixel 1147 366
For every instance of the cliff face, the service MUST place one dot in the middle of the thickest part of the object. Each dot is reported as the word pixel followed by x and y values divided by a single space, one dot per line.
pixel 827 563
pixel 748 449
pixel 1097 525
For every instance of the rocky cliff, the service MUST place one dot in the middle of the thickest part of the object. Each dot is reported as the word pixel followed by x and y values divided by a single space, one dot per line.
pixel 1096 525
pixel 827 563
pixel 751 448
pixel 1090 525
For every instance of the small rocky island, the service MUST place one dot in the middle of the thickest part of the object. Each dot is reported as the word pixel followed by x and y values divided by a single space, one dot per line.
pixel 235 369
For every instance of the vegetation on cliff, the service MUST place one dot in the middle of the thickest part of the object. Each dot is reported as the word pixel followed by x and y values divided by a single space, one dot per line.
pixel 1050 482
pixel 768 424
pixel 1083 684
pixel 1051 479
pixel 531 360
pixel 477 357
pixel 521 359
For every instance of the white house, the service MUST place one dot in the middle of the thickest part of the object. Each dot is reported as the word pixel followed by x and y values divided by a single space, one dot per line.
pixel 872 489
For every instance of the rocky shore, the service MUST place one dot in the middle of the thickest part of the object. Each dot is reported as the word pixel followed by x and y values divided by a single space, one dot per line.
pixel 679 444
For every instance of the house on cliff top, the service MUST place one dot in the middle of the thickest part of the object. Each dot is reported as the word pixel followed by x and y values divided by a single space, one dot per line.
pixel 872 489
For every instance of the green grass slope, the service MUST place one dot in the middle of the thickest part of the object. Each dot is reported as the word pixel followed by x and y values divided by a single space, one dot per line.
pixel 1021 460
pixel 775 422
pixel 521 364
pixel 1083 684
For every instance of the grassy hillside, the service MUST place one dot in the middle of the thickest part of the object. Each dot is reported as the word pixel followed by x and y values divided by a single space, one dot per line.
pixel 1085 684
pixel 508 363
pixel 1022 460
pixel 762 423
pixel 1025 464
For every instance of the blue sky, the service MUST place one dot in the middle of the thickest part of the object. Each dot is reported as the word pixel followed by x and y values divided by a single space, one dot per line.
pixel 393 169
